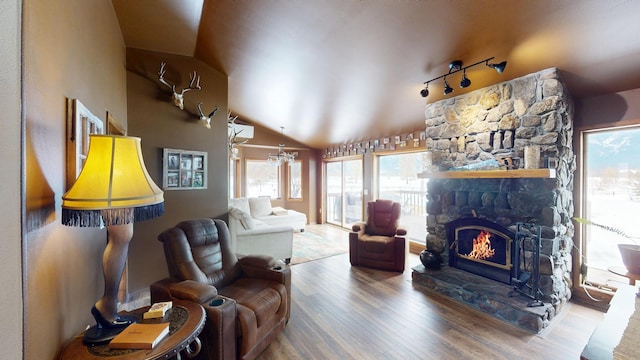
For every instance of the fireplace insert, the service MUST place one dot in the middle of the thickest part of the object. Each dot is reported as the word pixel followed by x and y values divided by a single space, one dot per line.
pixel 481 247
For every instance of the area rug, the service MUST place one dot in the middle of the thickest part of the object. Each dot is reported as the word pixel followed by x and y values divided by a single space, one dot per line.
pixel 308 246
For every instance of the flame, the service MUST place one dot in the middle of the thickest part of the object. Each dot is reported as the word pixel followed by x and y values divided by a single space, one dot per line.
pixel 482 246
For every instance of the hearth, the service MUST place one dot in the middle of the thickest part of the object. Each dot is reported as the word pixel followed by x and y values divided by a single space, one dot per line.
pixel 482 247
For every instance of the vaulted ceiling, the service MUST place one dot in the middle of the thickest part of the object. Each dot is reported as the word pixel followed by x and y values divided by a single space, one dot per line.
pixel 334 71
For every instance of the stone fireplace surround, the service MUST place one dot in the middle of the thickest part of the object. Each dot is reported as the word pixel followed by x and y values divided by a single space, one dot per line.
pixel 490 123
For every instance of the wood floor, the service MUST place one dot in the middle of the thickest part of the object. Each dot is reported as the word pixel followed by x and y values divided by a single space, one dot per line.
pixel 344 312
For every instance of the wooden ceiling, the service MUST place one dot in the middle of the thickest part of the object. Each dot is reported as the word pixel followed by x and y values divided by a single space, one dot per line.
pixel 335 71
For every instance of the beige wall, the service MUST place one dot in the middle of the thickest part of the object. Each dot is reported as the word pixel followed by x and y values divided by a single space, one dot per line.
pixel 10 178
pixel 616 109
pixel 160 124
pixel 72 49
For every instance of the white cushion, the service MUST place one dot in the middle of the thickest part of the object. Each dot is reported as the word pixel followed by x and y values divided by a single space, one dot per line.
pixel 245 219
pixel 260 206
pixel 279 211
pixel 240 203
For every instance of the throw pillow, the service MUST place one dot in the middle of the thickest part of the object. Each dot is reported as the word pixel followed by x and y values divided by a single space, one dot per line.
pixel 245 219
pixel 260 206
pixel 278 211
pixel 240 203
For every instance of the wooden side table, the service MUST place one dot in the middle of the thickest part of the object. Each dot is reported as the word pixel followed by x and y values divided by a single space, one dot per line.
pixel 186 321
pixel 622 271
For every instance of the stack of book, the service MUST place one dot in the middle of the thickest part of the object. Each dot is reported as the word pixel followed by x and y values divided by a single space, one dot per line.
pixel 157 310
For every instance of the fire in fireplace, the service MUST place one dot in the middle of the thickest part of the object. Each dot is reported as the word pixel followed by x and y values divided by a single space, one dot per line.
pixel 482 247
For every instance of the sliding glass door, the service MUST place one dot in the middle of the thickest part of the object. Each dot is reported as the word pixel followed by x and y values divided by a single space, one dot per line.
pixel 344 186
pixel 397 180
pixel 611 196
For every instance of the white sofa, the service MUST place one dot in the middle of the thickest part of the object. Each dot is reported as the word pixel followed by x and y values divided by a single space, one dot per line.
pixel 260 209
pixel 262 234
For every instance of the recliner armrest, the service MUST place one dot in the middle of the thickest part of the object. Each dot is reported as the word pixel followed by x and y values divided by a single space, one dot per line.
pixel 401 232
pixel 357 227
pixel 264 267
pixel 257 261
pixel 193 291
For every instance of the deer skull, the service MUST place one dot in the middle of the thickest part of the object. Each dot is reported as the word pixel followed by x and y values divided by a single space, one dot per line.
pixel 178 97
pixel 206 119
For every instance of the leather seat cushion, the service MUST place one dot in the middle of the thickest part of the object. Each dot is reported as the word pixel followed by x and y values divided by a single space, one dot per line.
pixel 260 296
pixel 376 247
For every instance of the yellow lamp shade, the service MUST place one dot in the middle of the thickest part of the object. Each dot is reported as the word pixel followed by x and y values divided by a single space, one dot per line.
pixel 113 178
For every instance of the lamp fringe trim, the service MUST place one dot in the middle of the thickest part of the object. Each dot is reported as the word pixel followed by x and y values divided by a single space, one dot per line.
pixel 96 218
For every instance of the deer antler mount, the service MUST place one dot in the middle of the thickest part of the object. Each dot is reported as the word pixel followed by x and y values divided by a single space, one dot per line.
pixel 206 119
pixel 178 97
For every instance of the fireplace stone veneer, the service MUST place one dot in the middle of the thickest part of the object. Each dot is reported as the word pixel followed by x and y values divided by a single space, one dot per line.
pixel 492 123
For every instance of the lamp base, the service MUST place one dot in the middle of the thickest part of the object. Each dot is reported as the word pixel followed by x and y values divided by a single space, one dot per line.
pixel 98 335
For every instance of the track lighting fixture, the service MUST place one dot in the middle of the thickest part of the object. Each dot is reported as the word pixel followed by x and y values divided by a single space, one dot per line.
pixel 425 92
pixel 499 67
pixel 447 89
pixel 465 82
pixel 456 66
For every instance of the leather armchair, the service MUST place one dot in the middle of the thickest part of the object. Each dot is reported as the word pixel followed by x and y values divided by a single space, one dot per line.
pixel 247 300
pixel 379 243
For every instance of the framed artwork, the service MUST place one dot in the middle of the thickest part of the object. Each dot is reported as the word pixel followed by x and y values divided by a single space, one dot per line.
pixel 80 124
pixel 184 169
pixel 113 126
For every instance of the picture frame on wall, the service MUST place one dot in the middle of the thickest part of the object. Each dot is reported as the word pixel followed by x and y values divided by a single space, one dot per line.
pixel 81 123
pixel 184 169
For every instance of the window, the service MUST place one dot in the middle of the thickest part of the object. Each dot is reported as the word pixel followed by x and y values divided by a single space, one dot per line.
pixel 262 179
pixel 611 196
pixel 232 177
pixel 398 181
pixel 295 180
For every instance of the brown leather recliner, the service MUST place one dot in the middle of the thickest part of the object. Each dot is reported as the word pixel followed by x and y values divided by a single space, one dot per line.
pixel 247 300
pixel 379 243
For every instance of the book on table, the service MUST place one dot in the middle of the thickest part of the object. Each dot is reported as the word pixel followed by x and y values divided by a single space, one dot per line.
pixel 140 336
pixel 157 310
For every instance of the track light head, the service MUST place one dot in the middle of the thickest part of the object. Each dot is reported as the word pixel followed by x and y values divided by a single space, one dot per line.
pixel 447 89
pixel 425 92
pixel 498 67
pixel 465 82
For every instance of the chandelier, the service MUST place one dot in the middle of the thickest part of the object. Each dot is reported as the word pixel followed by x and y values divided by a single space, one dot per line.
pixel 282 157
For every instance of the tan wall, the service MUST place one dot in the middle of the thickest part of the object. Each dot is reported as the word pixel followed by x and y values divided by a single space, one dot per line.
pixel 72 49
pixel 618 109
pixel 10 191
pixel 160 124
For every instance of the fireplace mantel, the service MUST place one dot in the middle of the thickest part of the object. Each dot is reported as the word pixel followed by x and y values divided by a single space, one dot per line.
pixel 490 174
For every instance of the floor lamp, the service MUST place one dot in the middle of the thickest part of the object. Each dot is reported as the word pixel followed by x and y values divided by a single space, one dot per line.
pixel 113 190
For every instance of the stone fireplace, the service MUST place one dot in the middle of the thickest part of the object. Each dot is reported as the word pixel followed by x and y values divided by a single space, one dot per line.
pixel 490 125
